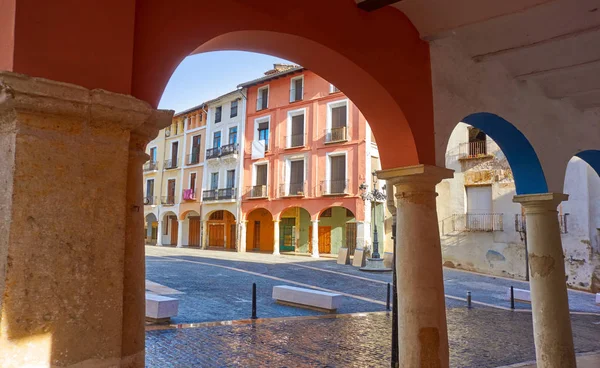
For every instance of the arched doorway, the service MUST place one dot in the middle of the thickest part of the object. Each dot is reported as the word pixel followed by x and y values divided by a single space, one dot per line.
pixel 170 229
pixel 151 228
pixel 294 226
pixel 481 228
pixel 579 220
pixel 221 232
pixel 260 231
pixel 337 229
pixel 191 229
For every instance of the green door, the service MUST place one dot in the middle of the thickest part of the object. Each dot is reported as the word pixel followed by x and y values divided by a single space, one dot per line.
pixel 287 235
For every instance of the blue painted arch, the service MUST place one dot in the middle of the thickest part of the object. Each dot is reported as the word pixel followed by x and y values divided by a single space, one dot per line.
pixel 523 161
pixel 592 157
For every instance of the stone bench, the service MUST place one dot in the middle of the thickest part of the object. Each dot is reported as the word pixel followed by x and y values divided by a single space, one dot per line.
pixel 161 308
pixel 307 298
pixel 521 295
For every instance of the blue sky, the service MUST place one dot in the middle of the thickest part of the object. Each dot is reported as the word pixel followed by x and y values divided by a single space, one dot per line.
pixel 202 77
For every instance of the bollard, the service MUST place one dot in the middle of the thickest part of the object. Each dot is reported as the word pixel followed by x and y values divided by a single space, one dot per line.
pixel 254 301
pixel 512 298
pixel 389 291
pixel 469 299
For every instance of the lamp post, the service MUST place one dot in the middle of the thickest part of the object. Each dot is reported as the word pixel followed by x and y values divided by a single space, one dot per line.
pixel 375 263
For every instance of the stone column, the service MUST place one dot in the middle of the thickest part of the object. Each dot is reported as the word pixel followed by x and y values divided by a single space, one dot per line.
pixel 549 301
pixel 422 331
pixel 134 276
pixel 204 235
pixel 159 233
pixel 276 237
pixel 315 239
pixel 180 224
pixel 65 208
pixel 242 236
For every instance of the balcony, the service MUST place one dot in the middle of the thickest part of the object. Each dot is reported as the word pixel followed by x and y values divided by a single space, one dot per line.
pixel 294 141
pixel 258 191
pixel 471 150
pixel 292 189
pixel 171 164
pixel 213 153
pixel 189 194
pixel 151 166
pixel 168 200
pixel 193 159
pixel 334 187
pixel 473 222
pixel 229 149
pixel 150 201
pixel 336 135
pixel 219 194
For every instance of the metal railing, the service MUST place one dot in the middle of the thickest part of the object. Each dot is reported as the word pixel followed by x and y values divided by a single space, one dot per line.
pixel 295 140
pixel 171 164
pixel 336 135
pixel 168 200
pixel 149 201
pixel 150 166
pixel 193 158
pixel 258 191
pixel 217 194
pixel 292 189
pixel 213 153
pixel 229 149
pixel 332 187
pixel 521 223
pixel 473 222
pixel 473 149
pixel 189 194
pixel 210 195
pixel 226 193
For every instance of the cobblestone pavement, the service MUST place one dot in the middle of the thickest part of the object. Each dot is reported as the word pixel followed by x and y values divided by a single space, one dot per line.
pixel 478 338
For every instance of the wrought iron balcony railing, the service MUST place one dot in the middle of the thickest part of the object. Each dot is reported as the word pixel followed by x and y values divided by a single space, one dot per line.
pixel 150 201
pixel 210 195
pixel 229 149
pixel 171 164
pixel 473 150
pixel 226 193
pixel 258 191
pixel 168 200
pixel 334 187
pixel 193 158
pixel 336 135
pixel 150 166
pixel 218 194
pixel 295 140
pixel 292 189
pixel 473 222
pixel 213 153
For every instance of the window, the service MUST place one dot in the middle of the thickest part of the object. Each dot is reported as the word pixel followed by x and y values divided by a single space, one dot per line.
pixel 230 179
pixel 326 213
pixel 174 155
pixel 150 188
pixel 195 154
pixel 262 100
pixel 153 154
pixel 233 135
pixel 296 185
pixel 477 142
pixel 218 112
pixel 214 181
pixel 333 89
pixel 337 122
pixel 217 140
pixel 193 181
pixel 261 174
pixel 295 129
pixel 259 187
pixel 337 174
pixel 234 109
pixel 263 133
pixel 297 89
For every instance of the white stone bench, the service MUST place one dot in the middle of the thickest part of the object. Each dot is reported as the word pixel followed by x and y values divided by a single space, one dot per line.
pixel 521 295
pixel 161 308
pixel 307 298
pixel 598 298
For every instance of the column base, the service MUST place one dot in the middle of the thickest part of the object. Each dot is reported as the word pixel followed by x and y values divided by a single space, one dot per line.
pixel 375 265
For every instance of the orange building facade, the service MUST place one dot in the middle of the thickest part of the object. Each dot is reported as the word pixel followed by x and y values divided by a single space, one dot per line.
pixel 308 150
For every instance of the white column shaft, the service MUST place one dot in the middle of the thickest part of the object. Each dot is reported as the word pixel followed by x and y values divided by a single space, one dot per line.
pixel 180 224
pixel 276 238
pixel 315 239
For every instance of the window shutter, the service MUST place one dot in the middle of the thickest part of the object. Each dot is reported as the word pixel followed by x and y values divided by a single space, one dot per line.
pixel 338 168
pixel 298 125
pixel 297 172
pixel 261 175
pixel 338 117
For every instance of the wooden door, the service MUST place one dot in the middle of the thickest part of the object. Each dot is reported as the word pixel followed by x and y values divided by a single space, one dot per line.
pixel 174 229
pixel 324 239
pixel 216 235
pixel 194 231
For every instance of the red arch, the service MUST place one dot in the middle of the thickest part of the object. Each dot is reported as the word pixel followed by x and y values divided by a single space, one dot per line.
pixel 377 58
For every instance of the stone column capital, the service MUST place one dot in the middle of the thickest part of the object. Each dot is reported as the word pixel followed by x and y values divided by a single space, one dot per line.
pixel 414 178
pixel 540 202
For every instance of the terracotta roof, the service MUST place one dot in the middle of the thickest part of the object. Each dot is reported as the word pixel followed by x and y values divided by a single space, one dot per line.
pixel 272 76
pixel 198 107
pixel 223 96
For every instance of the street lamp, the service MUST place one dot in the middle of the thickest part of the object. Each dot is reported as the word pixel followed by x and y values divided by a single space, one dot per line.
pixel 375 263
